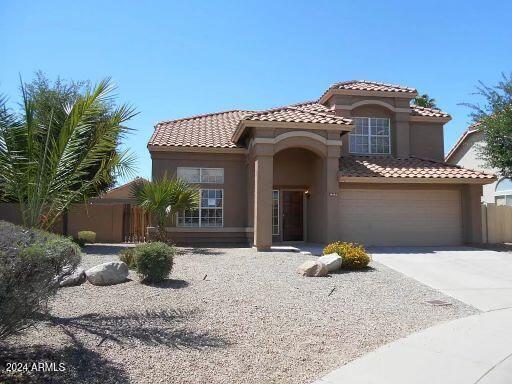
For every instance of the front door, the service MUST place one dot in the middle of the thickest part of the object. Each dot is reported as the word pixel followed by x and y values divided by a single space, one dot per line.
pixel 293 216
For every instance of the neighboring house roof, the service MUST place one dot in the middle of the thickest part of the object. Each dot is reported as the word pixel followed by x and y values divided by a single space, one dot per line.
pixel 120 194
pixel 404 168
pixel 472 129
pixel 223 129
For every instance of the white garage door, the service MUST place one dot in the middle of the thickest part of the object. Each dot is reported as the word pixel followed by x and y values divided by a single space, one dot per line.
pixel 400 217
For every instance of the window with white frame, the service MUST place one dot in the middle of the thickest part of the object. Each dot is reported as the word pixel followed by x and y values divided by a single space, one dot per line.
pixel 210 212
pixel 275 212
pixel 503 195
pixel 201 175
pixel 371 135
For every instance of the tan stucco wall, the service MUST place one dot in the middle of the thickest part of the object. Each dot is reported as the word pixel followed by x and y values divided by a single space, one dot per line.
pixel 235 184
pixel 427 140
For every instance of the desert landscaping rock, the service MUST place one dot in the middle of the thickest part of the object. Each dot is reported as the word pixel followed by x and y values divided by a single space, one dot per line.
pixel 252 320
pixel 312 268
pixel 76 278
pixel 332 261
pixel 110 273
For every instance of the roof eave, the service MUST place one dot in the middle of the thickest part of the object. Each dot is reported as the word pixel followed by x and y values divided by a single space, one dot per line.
pixel 285 124
pixel 414 180
pixel 355 92
pixel 430 119
pixel 195 149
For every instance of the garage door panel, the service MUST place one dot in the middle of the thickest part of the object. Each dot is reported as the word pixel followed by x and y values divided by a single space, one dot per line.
pixel 400 217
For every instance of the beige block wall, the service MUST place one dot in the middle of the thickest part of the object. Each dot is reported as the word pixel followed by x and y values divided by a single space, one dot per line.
pixel 106 220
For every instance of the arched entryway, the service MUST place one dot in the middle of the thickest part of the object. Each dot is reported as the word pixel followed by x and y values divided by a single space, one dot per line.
pixel 298 189
pixel 297 164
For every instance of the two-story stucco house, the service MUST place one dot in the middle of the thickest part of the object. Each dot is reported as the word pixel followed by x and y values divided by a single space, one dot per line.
pixel 359 164
pixel 467 153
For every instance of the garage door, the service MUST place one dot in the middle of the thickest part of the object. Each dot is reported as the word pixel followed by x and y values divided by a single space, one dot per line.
pixel 400 217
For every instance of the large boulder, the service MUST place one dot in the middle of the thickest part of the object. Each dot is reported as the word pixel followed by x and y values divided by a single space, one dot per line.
pixel 76 278
pixel 312 269
pixel 332 261
pixel 114 272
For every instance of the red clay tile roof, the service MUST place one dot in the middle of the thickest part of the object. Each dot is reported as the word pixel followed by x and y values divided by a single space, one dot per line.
pixel 213 130
pixel 411 167
pixel 365 85
pixel 216 129
pixel 307 113
pixel 428 112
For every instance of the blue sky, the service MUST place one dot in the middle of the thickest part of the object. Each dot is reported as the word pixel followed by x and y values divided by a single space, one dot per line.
pixel 173 59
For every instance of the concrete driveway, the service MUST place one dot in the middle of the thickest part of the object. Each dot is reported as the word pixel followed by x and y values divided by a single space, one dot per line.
pixel 481 278
pixel 471 350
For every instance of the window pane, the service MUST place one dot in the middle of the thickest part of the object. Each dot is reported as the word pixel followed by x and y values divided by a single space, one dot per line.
pixel 211 208
pixel 212 175
pixel 379 126
pixel 190 175
pixel 504 185
pixel 509 200
pixel 275 212
pixel 500 200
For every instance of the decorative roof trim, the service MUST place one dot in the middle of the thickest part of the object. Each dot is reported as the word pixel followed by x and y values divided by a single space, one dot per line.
pixel 410 180
pixel 430 119
pixel 356 92
pixel 285 124
pixel 175 148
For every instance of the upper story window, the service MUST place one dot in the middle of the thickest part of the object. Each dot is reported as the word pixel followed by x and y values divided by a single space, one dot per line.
pixel 201 175
pixel 503 194
pixel 371 135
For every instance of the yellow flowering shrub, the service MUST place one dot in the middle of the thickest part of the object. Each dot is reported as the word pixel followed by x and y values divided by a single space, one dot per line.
pixel 354 256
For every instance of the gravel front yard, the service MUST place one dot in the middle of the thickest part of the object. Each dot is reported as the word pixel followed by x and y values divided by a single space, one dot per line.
pixel 227 316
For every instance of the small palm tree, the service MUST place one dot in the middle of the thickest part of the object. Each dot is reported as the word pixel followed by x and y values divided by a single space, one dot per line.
pixel 425 101
pixel 164 198
pixel 53 157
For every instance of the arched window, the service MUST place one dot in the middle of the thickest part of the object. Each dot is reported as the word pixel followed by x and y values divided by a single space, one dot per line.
pixel 503 194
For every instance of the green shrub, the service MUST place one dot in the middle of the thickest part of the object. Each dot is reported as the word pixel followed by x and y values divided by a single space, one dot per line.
pixel 153 261
pixel 127 256
pixel 87 237
pixel 354 255
pixel 31 264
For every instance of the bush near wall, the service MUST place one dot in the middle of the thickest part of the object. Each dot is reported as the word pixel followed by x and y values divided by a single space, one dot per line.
pixel 87 237
pixel 30 264
pixel 354 256
pixel 127 256
pixel 154 261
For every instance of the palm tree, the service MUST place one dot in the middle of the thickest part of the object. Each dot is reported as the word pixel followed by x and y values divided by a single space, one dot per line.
pixel 425 101
pixel 164 198
pixel 49 160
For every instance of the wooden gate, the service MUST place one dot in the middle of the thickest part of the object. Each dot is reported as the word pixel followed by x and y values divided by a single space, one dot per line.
pixel 135 223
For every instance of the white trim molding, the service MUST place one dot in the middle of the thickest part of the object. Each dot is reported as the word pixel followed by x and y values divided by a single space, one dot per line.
pixel 287 135
pixel 373 102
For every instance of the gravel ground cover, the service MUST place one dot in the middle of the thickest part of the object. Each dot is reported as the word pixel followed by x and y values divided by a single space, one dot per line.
pixel 228 315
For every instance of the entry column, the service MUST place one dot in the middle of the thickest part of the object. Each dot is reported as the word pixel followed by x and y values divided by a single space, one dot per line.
pixel 264 176
pixel 332 165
